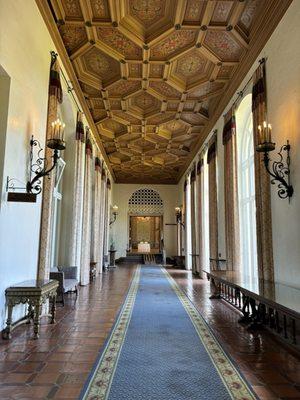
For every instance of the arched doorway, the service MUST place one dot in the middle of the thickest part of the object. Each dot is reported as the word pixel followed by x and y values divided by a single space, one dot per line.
pixel 145 213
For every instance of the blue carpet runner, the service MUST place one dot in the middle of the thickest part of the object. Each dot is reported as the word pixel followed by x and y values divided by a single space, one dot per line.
pixel 161 349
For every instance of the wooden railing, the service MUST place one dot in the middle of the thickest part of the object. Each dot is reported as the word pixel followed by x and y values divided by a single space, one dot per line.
pixel 258 305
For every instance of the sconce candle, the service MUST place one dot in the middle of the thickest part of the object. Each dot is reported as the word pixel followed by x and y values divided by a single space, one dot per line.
pixel 56 141
pixel 265 138
pixel 58 129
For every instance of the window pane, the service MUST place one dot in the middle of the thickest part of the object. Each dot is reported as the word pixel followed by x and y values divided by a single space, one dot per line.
pixel 246 188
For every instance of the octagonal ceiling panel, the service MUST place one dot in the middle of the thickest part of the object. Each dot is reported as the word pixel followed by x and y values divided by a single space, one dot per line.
pixel 153 73
pixel 119 42
pixel 126 117
pixel 115 127
pixel 102 66
pixel 90 90
pixel 173 44
pixel 124 88
pixel 147 19
pixel 144 104
pixel 73 36
pixel 165 90
pixel 147 12
pixel 173 126
pixel 99 115
pixel 160 118
pixel 191 68
pixel 223 45
pixel 193 118
pixel 206 90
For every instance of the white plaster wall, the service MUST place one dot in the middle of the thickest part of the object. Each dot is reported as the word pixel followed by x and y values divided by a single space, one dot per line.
pixel 283 84
pixel 24 55
pixel 119 230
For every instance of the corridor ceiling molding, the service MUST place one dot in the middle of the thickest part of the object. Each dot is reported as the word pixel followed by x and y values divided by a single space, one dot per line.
pixel 153 76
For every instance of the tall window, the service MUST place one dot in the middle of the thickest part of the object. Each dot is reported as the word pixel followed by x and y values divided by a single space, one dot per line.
pixel 246 187
pixel 188 225
pixel 205 221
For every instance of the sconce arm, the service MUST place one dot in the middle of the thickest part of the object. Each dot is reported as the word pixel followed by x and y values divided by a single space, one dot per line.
pixel 114 219
pixel 279 171
pixel 34 184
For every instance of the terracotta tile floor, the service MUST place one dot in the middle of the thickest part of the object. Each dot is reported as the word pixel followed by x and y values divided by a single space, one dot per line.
pixel 56 365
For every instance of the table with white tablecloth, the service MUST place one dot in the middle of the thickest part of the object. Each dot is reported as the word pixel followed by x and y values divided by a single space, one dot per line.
pixel 144 247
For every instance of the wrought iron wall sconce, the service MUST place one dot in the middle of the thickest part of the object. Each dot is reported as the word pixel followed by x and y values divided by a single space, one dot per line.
pixel 178 213
pixel 279 170
pixel 114 214
pixel 38 168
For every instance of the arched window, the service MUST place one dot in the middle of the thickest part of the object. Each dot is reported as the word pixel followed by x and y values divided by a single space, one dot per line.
pixel 145 202
pixel 246 187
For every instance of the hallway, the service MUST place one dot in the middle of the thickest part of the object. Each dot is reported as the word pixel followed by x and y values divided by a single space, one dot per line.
pixel 57 365
pixel 149 200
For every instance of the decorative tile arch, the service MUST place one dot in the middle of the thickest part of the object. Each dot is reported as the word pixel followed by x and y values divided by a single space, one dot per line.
pixel 145 202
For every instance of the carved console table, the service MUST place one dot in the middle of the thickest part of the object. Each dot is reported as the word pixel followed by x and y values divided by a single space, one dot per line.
pixel 34 293
pixel 263 304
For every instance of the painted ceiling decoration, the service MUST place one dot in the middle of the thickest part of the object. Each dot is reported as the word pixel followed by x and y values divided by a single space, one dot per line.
pixel 153 73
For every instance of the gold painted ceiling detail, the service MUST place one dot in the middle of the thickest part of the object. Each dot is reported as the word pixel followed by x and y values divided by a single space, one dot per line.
pixel 152 73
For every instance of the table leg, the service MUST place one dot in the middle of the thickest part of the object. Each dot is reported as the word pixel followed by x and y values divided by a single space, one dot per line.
pixel 53 309
pixel 7 331
pixel 37 312
pixel 30 313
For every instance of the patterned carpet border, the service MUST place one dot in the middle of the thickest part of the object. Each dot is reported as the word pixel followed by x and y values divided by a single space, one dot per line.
pixel 234 382
pixel 100 379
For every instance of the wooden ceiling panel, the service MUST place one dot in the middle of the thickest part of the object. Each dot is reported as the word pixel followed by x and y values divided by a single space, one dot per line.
pixel 73 36
pixel 173 44
pixel 248 14
pixel 194 12
pixel 113 38
pixel 222 12
pixel 164 90
pixel 124 88
pixel 99 10
pixel 71 10
pixel 154 74
pixel 223 45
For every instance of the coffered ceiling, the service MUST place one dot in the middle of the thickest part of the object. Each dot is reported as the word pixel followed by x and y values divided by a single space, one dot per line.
pixel 153 73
